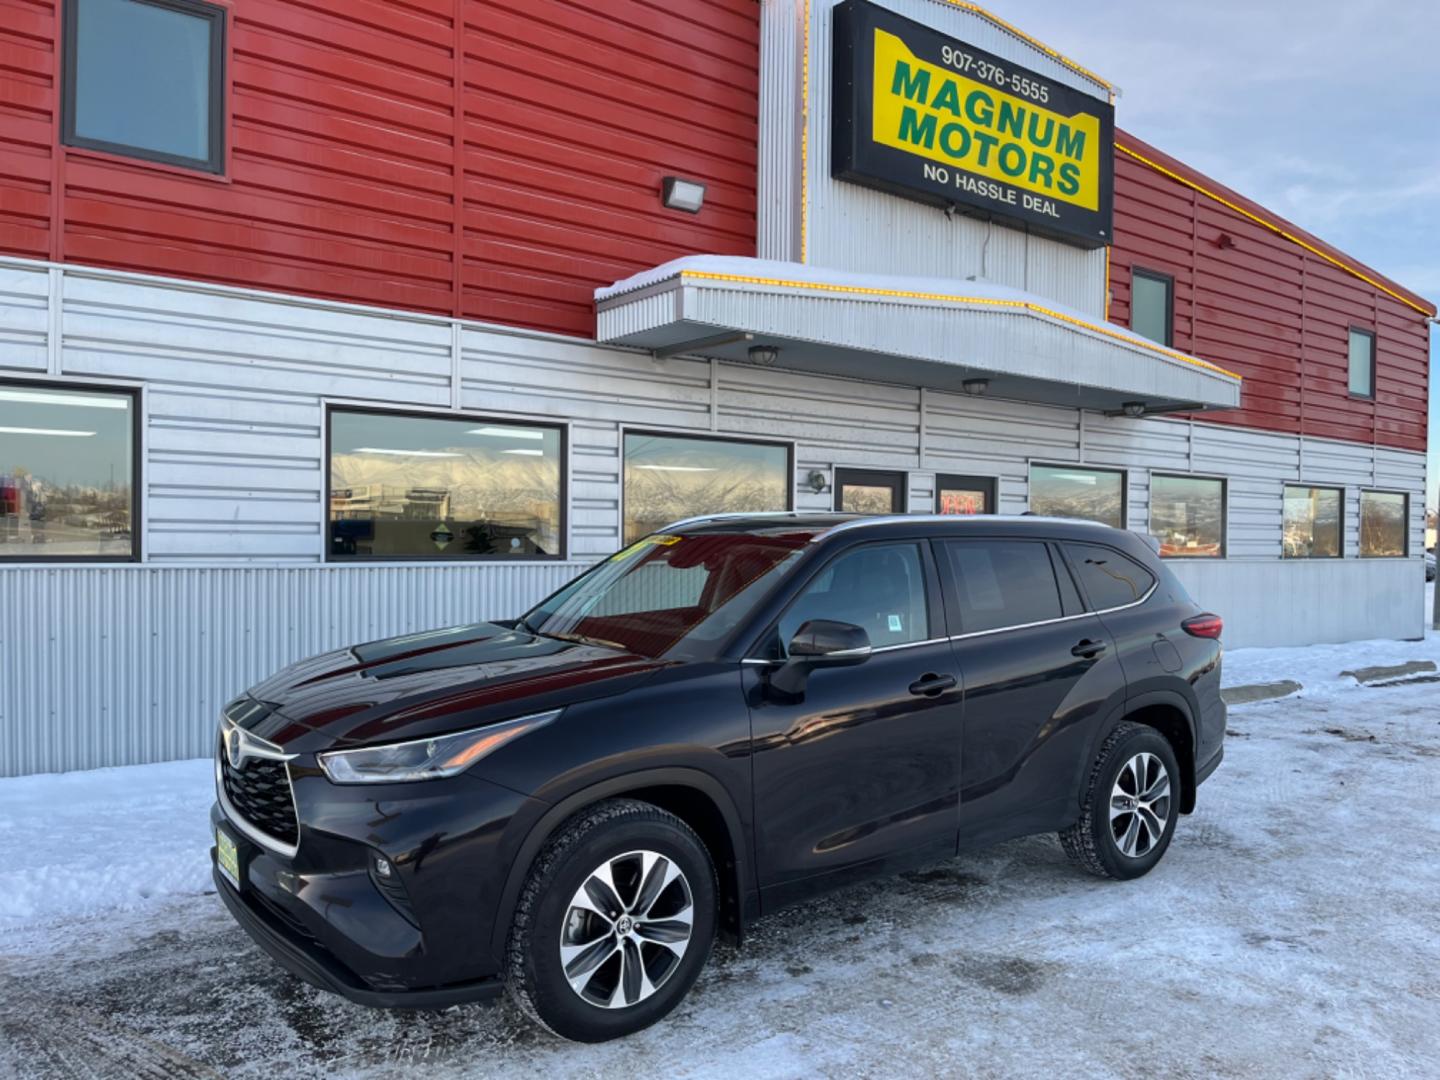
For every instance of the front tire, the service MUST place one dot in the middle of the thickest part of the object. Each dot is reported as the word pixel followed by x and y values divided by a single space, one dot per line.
pixel 615 922
pixel 1130 805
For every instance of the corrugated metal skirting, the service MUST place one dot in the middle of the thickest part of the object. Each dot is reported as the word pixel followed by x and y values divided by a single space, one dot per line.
pixel 121 665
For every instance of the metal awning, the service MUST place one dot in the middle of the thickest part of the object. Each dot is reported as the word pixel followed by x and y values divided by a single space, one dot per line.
pixel 931 332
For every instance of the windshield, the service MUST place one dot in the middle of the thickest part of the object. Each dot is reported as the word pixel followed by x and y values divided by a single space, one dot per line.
pixel 673 596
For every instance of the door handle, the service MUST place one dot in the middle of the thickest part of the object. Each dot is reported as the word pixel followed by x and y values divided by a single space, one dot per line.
pixel 1088 649
pixel 932 685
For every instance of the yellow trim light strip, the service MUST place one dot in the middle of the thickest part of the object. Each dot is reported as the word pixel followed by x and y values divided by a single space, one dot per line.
pixel 1278 230
pixel 976 9
pixel 989 301
pixel 805 137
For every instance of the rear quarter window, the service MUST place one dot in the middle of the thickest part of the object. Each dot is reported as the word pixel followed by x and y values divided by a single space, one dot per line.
pixel 1109 579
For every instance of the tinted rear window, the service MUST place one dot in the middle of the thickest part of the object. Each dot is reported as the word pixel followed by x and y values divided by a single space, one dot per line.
pixel 1003 583
pixel 1110 579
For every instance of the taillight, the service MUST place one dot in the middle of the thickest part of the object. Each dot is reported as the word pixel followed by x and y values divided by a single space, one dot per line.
pixel 1203 626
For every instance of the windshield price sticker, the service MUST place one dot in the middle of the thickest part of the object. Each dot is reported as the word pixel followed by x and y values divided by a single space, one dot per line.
pixel 658 539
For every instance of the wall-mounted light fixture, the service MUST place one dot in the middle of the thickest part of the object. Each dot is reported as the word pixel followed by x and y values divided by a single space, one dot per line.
pixel 764 355
pixel 816 481
pixel 975 387
pixel 680 194
pixel 1134 408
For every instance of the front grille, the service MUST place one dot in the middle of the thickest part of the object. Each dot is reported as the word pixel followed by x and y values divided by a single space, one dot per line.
pixel 259 790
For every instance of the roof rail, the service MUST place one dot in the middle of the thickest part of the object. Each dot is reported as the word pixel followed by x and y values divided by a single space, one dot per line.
pixel 701 518
pixel 881 519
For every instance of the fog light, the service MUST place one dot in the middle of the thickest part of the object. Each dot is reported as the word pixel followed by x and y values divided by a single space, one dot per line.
pixel 382 867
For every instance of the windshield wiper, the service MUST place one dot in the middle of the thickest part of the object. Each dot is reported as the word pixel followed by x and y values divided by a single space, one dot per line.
pixel 582 639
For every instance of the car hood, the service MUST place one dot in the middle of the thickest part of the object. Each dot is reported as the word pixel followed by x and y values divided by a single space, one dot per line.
pixel 430 684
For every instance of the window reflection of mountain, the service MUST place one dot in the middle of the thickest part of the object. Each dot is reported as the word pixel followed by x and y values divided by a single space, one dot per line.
pixel 653 498
pixel 1091 506
pixel 492 506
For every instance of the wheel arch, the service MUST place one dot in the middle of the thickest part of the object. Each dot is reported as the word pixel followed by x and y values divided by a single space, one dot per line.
pixel 1170 714
pixel 694 796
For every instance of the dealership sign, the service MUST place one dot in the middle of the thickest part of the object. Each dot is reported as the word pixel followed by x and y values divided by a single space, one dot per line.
pixel 928 117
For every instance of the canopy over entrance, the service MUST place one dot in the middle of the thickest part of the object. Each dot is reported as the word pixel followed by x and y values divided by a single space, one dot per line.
pixel 966 336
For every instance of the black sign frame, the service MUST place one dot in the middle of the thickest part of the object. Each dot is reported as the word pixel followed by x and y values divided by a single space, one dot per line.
pixel 855 157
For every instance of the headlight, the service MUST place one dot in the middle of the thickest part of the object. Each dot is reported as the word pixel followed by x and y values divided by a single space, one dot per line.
pixel 426 759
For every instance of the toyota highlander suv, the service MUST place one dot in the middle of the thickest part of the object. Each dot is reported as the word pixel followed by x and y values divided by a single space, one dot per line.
pixel 725 717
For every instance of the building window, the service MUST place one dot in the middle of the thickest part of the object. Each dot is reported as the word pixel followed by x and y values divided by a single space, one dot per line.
pixel 146 79
pixel 1187 514
pixel 1362 363
pixel 1313 522
pixel 1152 305
pixel 1384 524
pixel 442 488
pixel 670 477
pixel 67 473
pixel 964 495
pixel 1075 492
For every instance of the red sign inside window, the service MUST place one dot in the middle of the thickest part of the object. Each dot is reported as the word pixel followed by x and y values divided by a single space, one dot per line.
pixel 962 502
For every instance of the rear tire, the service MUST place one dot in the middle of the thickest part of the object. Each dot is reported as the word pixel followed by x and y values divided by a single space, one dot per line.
pixel 614 923
pixel 1130 805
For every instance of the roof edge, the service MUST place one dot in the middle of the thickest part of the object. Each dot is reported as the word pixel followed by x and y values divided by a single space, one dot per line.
pixel 1161 162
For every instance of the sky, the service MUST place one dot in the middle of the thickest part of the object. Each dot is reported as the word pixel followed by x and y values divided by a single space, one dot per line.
pixel 1322 110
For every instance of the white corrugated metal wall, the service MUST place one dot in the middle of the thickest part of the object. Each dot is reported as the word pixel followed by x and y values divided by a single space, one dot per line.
pixel 108 665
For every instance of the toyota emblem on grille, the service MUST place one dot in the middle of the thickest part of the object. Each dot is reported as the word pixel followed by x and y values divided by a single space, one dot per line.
pixel 235 747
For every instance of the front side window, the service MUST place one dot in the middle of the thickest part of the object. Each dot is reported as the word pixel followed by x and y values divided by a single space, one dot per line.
pixel 145 78
pixel 1152 305
pixel 676 596
pixel 1110 580
pixel 426 487
pixel 878 587
pixel 1075 492
pixel 1384 520
pixel 1000 583
pixel 1312 522
pixel 67 473
pixel 1362 362
pixel 672 477
pixel 1187 515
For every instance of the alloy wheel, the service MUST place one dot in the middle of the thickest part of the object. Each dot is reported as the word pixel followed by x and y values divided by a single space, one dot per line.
pixel 1140 805
pixel 626 929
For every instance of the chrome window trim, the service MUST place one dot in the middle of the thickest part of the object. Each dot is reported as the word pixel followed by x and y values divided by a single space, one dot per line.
pixel 270 752
pixel 856 652
pixel 1062 619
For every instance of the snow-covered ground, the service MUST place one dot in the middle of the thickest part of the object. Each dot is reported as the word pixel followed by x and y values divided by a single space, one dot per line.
pixel 1292 930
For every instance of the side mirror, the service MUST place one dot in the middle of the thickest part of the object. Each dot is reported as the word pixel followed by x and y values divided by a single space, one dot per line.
pixel 819 643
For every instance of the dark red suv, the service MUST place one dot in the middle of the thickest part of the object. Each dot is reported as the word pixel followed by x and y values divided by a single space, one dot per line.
pixel 725 717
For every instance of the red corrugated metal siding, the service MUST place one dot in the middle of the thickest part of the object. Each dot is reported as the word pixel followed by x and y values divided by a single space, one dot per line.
pixel 351 178
pixel 27 126
pixel 1262 305
pixel 573 115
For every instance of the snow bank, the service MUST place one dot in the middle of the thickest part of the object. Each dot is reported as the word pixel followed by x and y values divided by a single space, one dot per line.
pixel 85 842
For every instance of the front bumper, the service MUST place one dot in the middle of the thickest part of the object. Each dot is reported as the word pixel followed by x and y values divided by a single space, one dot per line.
pixel 425 940
pixel 310 961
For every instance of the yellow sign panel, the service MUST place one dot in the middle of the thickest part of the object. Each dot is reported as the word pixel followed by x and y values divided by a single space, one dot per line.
pixel 924 109
pixel 922 115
